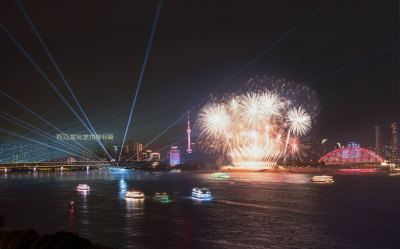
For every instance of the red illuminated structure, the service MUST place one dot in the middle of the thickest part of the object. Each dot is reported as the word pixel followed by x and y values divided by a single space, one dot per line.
pixel 351 155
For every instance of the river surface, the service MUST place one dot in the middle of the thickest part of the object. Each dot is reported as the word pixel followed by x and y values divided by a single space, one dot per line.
pixel 249 210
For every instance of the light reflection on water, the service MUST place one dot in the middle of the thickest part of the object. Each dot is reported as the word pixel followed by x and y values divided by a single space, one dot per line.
pixel 133 205
pixel 122 188
pixel 276 210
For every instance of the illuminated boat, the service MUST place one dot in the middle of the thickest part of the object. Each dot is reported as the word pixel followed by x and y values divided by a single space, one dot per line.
pixel 323 178
pixel 83 187
pixel 134 194
pixel 175 171
pixel 220 175
pixel 203 193
pixel 161 197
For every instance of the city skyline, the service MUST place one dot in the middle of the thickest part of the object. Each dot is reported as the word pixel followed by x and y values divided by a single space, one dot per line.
pixel 199 124
pixel 356 85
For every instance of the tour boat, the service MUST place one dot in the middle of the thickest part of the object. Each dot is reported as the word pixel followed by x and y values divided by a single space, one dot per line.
pixel 175 171
pixel 134 194
pixel 220 175
pixel 203 193
pixel 161 197
pixel 83 187
pixel 323 178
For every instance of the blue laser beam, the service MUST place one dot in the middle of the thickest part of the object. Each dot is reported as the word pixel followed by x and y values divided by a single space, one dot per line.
pixel 274 44
pixel 55 64
pixel 174 123
pixel 357 85
pixel 36 130
pixel 50 136
pixel 32 130
pixel 153 29
pixel 35 141
pixel 176 142
pixel 294 28
pixel 379 52
pixel 44 120
pixel 3 27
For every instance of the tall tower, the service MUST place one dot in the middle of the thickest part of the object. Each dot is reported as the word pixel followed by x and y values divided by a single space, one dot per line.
pixel 378 144
pixel 394 142
pixel 189 150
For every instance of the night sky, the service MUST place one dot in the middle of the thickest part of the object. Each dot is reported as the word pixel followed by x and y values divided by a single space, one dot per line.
pixel 347 51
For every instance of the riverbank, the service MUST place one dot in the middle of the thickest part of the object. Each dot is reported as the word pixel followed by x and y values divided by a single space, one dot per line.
pixel 284 170
pixel 49 168
pixel 320 171
pixel 29 238
pixel 60 168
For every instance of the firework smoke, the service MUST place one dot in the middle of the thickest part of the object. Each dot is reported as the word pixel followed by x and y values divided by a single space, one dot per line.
pixel 257 127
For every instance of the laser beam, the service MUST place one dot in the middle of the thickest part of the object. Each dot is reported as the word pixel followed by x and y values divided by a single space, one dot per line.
pixel 51 83
pixel 379 52
pixel 174 123
pixel 55 65
pixel 36 130
pixel 261 54
pixel 44 120
pixel 141 73
pixel 35 141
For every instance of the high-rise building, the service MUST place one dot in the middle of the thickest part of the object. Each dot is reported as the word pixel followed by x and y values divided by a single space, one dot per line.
pixel 393 143
pixel 127 148
pixel 378 143
pixel 137 148
pixel 189 150
pixel 174 156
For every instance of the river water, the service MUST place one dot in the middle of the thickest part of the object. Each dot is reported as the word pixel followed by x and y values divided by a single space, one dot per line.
pixel 249 210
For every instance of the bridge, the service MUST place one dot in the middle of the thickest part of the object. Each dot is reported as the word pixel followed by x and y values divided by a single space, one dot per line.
pixel 53 166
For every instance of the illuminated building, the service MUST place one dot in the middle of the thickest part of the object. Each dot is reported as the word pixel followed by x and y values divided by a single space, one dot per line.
pixel 378 144
pixel 387 152
pixel 174 156
pixel 189 150
pixel 353 144
pixel 393 144
pixel 155 156
pixel 138 150
pixel 351 155
pixel 133 148
pixel 150 156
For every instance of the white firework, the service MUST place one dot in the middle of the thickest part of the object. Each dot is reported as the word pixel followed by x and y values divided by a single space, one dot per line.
pixel 299 121
pixel 214 119
pixel 254 128
pixel 250 109
pixel 270 104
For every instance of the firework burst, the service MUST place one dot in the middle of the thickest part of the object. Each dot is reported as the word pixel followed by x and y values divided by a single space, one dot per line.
pixel 254 128
pixel 299 120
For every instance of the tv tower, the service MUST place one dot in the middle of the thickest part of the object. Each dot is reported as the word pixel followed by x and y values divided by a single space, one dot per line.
pixel 189 150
